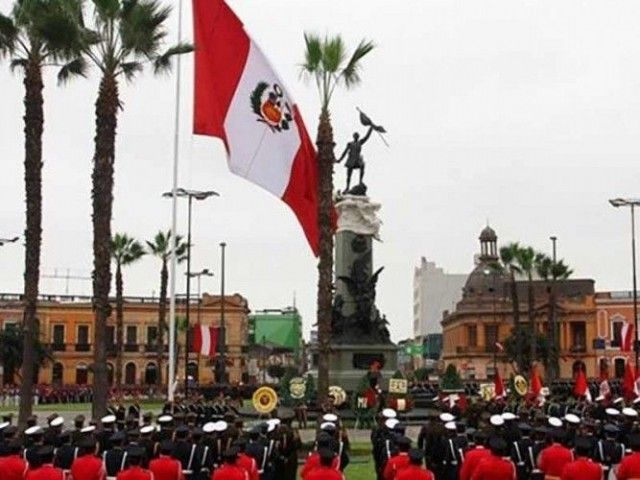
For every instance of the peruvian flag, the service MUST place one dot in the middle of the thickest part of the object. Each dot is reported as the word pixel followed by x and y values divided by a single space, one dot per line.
pixel 499 347
pixel 204 340
pixel 626 333
pixel 580 387
pixel 239 98
pixel 629 382
pixel 498 386
pixel 604 389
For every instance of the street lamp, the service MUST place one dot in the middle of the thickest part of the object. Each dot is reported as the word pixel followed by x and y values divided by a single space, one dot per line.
pixel 221 365
pixel 632 202
pixel 4 241
pixel 492 272
pixel 190 195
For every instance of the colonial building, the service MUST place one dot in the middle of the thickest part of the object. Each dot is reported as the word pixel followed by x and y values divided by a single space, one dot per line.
pixel 66 326
pixel 483 318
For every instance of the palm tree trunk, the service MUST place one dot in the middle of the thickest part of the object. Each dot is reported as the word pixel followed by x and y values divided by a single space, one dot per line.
pixel 33 128
pixel 515 302
pixel 162 313
pixel 106 122
pixel 119 326
pixel 532 321
pixel 326 160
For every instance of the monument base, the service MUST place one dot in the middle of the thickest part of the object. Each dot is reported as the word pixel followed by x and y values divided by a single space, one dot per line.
pixel 349 363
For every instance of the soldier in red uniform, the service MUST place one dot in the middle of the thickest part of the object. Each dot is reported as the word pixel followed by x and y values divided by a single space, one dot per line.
pixel 630 466
pixel 45 469
pixel 415 470
pixel 166 467
pixel 229 470
pixel 135 471
pixel 474 456
pixel 325 471
pixel 12 465
pixel 556 456
pixel 583 468
pixel 245 461
pixel 398 461
pixel 88 466
pixel 498 466
pixel 313 461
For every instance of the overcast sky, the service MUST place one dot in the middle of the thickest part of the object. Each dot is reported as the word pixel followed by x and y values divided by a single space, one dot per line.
pixel 525 114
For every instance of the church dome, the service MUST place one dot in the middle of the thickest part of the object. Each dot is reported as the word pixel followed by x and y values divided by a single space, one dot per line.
pixel 488 234
pixel 485 279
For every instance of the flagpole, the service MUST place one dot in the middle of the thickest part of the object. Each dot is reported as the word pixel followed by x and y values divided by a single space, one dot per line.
pixel 174 222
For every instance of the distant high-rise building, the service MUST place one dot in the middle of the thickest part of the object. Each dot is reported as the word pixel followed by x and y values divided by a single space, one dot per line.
pixel 434 291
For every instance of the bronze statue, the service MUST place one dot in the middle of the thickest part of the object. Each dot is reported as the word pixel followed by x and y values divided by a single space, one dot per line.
pixel 355 161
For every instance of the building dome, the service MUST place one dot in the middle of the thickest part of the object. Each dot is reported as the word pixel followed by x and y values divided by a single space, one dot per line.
pixel 484 281
pixel 488 234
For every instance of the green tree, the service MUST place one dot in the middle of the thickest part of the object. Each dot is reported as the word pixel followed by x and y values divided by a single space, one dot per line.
pixel 451 380
pixel 522 357
pixel 124 251
pixel 526 259
pixel 12 342
pixel 509 264
pixel 552 272
pixel 119 39
pixel 160 247
pixel 328 64
pixel 37 33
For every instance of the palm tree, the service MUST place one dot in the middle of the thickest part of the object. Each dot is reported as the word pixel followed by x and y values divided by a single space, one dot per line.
pixel 124 251
pixel 160 247
pixel 36 34
pixel 12 352
pixel 552 271
pixel 525 257
pixel 509 263
pixel 327 63
pixel 126 35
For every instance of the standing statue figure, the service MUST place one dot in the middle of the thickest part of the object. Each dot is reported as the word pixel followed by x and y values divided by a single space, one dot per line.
pixel 353 150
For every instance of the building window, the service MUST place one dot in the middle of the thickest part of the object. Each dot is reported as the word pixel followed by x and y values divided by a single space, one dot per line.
pixel 618 366
pixel 152 336
pixel 151 374
pixel 490 337
pixel 111 340
pixel 132 334
pixel 58 338
pixel 110 373
pixel 83 335
pixel 472 335
pixel 578 337
pixel 130 374
pixel 616 330
pixel 82 374
pixel 56 374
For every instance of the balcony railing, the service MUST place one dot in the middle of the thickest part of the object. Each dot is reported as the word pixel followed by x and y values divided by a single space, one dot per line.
pixel 131 347
pixel 83 347
pixel 466 349
pixel 578 349
pixel 58 347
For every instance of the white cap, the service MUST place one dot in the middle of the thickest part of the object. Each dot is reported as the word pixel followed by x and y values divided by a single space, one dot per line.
pixel 4 425
pixel 636 401
pixel 329 417
pixel 165 419
pixel 450 425
pixel 555 422
pixel 390 423
pixel 507 416
pixel 220 426
pixel 447 417
pixel 209 427
pixel 600 398
pixel 326 426
pixel 618 400
pixel 612 412
pixel 107 419
pixel 496 420
pixel 56 422
pixel 391 413
pixel 572 418
pixel 629 412
pixel 88 429
pixel 33 430
pixel 147 429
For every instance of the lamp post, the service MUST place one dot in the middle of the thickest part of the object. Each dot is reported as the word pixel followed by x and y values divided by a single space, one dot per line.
pixel 190 195
pixel 553 327
pixel 491 272
pixel 632 203
pixel 221 365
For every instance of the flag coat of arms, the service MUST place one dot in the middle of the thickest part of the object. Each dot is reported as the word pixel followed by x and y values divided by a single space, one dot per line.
pixel 239 98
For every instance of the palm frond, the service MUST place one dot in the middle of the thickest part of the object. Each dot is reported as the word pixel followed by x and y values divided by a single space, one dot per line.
pixel 18 63
pixel 106 10
pixel 8 35
pixel 142 27
pixel 75 68
pixel 351 72
pixel 57 27
pixel 130 70
pixel 333 54
pixel 312 54
pixel 162 63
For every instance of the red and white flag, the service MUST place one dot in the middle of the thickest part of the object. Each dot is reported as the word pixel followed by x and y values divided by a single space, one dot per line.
pixel 499 347
pixel 626 334
pixel 204 340
pixel 240 99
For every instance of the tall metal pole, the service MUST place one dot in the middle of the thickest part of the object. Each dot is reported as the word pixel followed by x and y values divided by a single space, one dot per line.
pixel 553 328
pixel 222 337
pixel 497 327
pixel 174 222
pixel 635 290
pixel 187 311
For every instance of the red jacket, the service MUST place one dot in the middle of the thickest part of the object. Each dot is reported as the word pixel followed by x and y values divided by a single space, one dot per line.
pixel 13 467
pixel 413 472
pixel 135 473
pixel 629 467
pixel 249 464
pixel 45 472
pixel 88 467
pixel 166 468
pixel 325 473
pixel 471 460
pixel 394 465
pixel 313 462
pixel 554 458
pixel 582 469
pixel 230 472
pixel 495 468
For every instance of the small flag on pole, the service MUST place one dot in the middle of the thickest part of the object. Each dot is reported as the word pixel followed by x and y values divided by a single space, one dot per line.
pixel 204 340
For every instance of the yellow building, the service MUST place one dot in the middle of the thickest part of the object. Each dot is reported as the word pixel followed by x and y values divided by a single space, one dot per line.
pixel 66 326
pixel 484 317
